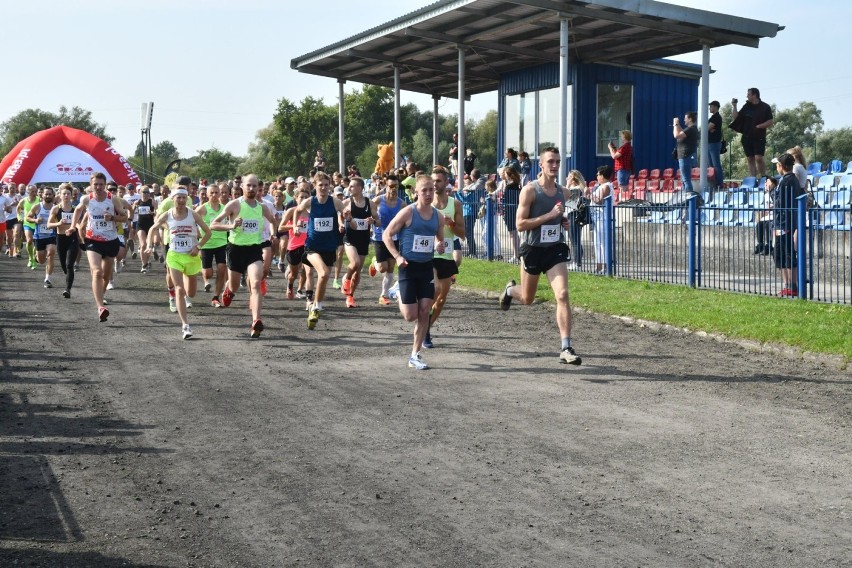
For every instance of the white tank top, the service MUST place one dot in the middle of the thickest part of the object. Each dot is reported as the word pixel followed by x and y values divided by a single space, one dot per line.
pixel 183 233
pixel 100 229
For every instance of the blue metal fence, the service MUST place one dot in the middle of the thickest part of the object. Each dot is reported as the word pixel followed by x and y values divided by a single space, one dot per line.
pixel 725 244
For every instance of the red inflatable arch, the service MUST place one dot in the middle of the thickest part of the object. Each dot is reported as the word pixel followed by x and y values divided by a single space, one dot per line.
pixel 61 154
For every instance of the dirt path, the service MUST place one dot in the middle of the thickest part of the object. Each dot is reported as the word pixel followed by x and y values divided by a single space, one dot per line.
pixel 121 445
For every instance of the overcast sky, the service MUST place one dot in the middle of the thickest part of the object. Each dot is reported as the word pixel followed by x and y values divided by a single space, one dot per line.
pixel 216 69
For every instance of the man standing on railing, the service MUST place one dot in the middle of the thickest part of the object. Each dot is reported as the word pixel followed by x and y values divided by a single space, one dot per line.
pixel 751 121
pixel 687 144
pixel 786 205
pixel 540 209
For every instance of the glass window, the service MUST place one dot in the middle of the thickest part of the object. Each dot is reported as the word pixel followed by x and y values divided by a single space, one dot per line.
pixel 549 101
pixel 520 122
pixel 615 108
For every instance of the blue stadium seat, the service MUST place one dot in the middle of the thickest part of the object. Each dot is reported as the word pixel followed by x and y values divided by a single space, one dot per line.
pixel 826 183
pixel 835 166
pixel 814 168
pixel 728 218
pixel 849 168
pixel 748 183
pixel 720 199
pixel 822 198
pixel 845 182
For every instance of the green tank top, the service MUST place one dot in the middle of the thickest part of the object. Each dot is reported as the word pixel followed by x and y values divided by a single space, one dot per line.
pixel 449 236
pixel 28 204
pixel 217 238
pixel 251 231
pixel 167 204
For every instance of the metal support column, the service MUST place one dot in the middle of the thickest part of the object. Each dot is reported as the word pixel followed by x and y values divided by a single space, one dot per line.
pixel 461 144
pixel 341 145
pixel 436 129
pixel 397 119
pixel 563 98
pixel 704 116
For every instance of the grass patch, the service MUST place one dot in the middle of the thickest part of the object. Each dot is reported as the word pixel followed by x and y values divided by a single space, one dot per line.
pixel 822 328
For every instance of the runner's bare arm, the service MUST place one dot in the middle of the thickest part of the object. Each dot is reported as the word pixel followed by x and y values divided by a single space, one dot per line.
pixel 219 223
pixel 402 219
pixel 199 220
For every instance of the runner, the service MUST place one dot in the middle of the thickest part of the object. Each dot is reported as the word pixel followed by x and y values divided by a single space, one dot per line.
pixel 182 259
pixel 13 221
pixel 44 237
pixel 131 197
pixel 7 207
pixel 296 249
pixel 67 240
pixel 325 217
pixel 340 195
pixel 418 227
pixel 166 203
pixel 243 218
pixel 144 213
pixel 544 251
pixel 120 228
pixel 445 263
pixel 214 250
pixel 387 206
pixel 24 206
pixel 274 202
pixel 101 236
pixel 357 237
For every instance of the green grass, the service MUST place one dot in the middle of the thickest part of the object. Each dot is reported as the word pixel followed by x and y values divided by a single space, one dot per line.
pixel 811 326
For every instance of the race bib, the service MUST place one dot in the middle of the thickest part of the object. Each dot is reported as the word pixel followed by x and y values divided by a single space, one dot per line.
pixel 302 224
pixel 144 210
pixel 99 224
pixel 423 243
pixel 550 233
pixel 362 224
pixel 251 226
pixel 448 245
pixel 67 217
pixel 323 224
pixel 181 244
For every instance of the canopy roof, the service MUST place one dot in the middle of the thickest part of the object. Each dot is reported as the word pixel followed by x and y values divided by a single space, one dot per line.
pixel 499 36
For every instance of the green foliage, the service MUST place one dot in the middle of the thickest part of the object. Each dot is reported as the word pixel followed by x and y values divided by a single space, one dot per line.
pixel 482 139
pixel 28 122
pixel 214 164
pixel 834 144
pixel 259 158
pixel 797 126
pixel 368 116
pixel 366 160
pixel 299 131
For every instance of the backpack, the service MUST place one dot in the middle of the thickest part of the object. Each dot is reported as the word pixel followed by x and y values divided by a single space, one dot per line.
pixel 578 209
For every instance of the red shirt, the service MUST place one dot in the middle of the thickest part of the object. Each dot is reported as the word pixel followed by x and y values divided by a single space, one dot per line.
pixel 625 162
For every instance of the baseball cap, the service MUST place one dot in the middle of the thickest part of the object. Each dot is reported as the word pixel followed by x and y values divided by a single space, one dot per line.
pixel 289 180
pixel 338 190
pixel 787 161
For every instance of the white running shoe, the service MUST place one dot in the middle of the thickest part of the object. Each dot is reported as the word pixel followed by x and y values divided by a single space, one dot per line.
pixel 415 362
pixel 110 286
pixel 48 283
pixel 393 293
pixel 187 331
pixel 187 301
pixel 172 305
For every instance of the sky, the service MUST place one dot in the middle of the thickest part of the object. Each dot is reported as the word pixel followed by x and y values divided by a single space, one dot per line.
pixel 216 69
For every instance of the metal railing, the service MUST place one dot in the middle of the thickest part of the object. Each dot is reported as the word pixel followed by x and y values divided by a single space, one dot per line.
pixel 713 246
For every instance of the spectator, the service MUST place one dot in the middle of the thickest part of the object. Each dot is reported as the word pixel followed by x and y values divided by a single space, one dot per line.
pixel 469 197
pixel 576 189
pixel 714 143
pixel 526 167
pixel 469 161
pixel 687 144
pixel 623 156
pixel 454 155
pixel 511 194
pixel 319 161
pixel 751 121
pixel 489 224
pixel 800 168
pixel 597 196
pixel 510 161
pixel 763 227
pixel 784 223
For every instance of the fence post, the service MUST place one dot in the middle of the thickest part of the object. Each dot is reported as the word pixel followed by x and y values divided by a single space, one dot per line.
pixel 692 238
pixel 490 213
pixel 609 235
pixel 801 244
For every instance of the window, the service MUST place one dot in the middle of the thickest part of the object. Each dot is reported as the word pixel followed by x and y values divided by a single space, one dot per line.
pixel 615 108
pixel 532 121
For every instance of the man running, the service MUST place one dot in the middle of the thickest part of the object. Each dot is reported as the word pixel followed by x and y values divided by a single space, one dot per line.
pixel 213 251
pixel 357 237
pixel 244 219
pixel 544 251
pixel 387 206
pixel 44 237
pixel 445 265
pixel 67 239
pixel 182 260
pixel 24 207
pixel 101 235
pixel 418 227
pixel 325 213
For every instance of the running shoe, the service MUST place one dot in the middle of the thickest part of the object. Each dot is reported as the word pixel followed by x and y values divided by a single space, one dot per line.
pixel 282 267
pixel 215 302
pixel 372 270
pixel 120 268
pixel 243 281
pixel 134 254
pixel 207 286
pixel 313 318
pixel 162 259
pixel 33 265
pixel 290 294
pixel 256 328
pixel 336 284
pixel 427 341
pixel 300 295
pixel 187 331
pixel 384 300
pixel 568 356
pixel 103 314
pixel 227 297
pixel 505 298
pixel 346 287
pixel 415 362
pixel 66 294
pixel 187 301
pixel 106 303
pixel 172 305
pixel 263 287
pixel 48 283
pixel 394 290
pixel 18 255
pixel 144 269
pixel 350 302
pixel 785 292
pixel 111 285
pixel 156 255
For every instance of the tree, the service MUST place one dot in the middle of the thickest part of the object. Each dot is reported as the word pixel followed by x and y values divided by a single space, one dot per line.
pixel 259 158
pixel 797 126
pixel 299 131
pixel 835 144
pixel 483 141
pixel 29 121
pixel 368 116
pixel 214 164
